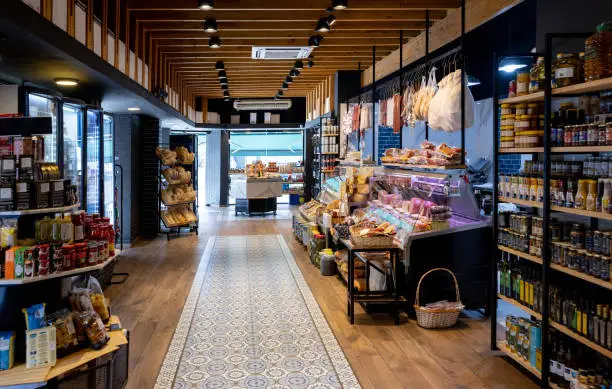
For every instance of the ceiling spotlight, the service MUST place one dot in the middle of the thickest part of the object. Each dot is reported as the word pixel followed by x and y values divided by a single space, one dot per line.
pixel 339 4
pixel 331 19
pixel 288 80
pixel 210 25
pixel 66 82
pixel 224 87
pixel 222 74
pixel 206 4
pixel 220 65
pixel 298 65
pixel 226 93
pixel 310 64
pixel 285 86
pixel 280 93
pixel 133 109
pixel 223 81
pixel 322 25
pixel 315 40
pixel 214 42
pixel 294 73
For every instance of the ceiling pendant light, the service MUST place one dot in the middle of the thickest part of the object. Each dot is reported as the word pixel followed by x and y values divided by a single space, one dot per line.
pixel 294 73
pixel 339 4
pixel 206 4
pixel 322 25
pixel 288 80
pixel 220 65
pixel 214 42
pixel 315 40
pixel 223 81
pixel 224 87
pixel 298 65
pixel 210 25
pixel 222 74
pixel 285 86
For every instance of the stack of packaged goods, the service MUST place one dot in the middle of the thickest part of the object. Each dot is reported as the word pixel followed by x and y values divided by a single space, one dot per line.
pixel 522 125
pixel 66 242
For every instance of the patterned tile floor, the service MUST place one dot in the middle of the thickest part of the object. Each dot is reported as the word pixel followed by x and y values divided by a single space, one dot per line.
pixel 252 322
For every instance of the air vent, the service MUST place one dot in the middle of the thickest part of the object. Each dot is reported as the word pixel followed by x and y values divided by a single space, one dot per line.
pixel 277 52
pixel 260 105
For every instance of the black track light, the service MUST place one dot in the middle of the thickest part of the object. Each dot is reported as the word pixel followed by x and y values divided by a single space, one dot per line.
pixel 220 65
pixel 310 63
pixel 224 87
pixel 331 19
pixel 322 25
pixel 210 25
pixel 315 40
pixel 214 42
pixel 226 93
pixel 280 93
pixel 339 4
pixel 288 80
pixel 285 86
pixel 223 81
pixel 298 65
pixel 222 74
pixel 294 73
pixel 206 4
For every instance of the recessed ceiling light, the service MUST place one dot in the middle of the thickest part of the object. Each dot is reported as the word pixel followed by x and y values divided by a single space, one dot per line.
pixel 288 80
pixel 322 25
pixel 206 4
pixel 298 65
pixel 214 42
pixel 210 25
pixel 339 4
pixel 220 65
pixel 133 109
pixel 66 82
pixel 222 74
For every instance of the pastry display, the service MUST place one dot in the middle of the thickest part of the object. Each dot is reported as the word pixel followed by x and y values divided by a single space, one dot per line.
pixel 178 216
pixel 177 175
pixel 184 156
pixel 428 154
pixel 177 194
pixel 166 156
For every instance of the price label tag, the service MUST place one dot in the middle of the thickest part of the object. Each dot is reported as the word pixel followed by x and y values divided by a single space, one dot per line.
pixel 22 187
pixel 58 186
pixel 8 164
pixel 6 194
pixel 26 163
pixel 44 187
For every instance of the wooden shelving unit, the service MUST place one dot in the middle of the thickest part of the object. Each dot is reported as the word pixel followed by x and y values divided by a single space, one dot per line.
pixel 594 346
pixel 582 149
pixel 585 87
pixel 503 347
pixel 525 150
pixel 580 212
pixel 527 310
pixel 582 276
pixel 521 254
pixel 524 203
pixel 40 211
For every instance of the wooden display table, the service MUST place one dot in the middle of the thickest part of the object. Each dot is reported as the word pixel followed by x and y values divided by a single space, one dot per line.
pixel 19 375
pixel 390 296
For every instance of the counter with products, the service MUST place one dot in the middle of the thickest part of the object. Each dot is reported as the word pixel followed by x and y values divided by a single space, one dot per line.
pixel 256 190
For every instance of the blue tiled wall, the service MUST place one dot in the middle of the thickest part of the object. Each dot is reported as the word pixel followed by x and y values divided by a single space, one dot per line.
pixel 509 163
pixel 386 140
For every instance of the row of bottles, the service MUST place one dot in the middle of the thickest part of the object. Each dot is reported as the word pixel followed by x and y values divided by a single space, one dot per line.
pixel 66 228
pixel 520 282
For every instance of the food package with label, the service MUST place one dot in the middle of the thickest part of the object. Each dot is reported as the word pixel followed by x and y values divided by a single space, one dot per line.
pixel 65 332
pixel 40 347
pixel 91 323
pixel 98 301
pixel 7 350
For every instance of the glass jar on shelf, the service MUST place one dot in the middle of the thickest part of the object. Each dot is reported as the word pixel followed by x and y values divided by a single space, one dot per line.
pixel 566 70
pixel 598 53
pixel 536 76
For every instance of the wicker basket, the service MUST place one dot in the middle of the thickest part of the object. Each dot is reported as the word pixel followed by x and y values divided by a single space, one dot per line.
pixel 437 318
pixel 369 241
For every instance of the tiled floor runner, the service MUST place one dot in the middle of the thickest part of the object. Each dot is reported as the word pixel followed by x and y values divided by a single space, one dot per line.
pixel 252 322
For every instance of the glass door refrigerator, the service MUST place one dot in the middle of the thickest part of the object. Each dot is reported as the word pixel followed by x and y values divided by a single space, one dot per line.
pixel 41 103
pixel 109 167
pixel 93 187
pixel 73 118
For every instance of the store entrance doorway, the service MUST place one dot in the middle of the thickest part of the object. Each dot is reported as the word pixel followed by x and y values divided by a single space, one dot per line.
pixel 201 162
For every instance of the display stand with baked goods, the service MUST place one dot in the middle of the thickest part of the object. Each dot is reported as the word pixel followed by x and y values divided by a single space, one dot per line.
pixel 178 198
pixel 551 219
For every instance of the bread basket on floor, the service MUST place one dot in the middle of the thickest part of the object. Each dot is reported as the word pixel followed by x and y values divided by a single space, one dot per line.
pixel 438 317
pixel 369 241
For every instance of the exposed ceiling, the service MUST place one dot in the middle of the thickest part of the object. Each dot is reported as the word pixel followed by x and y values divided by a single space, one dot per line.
pixel 175 30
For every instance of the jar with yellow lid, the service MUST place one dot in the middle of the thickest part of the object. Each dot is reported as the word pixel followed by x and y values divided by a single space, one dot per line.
pixel 520 109
pixel 507 131
pixel 532 108
pixel 566 69
pixel 522 83
pixel 507 109
pixel 521 122
pixel 507 120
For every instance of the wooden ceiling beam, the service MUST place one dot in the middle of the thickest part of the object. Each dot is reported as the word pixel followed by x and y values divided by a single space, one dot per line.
pixel 233 43
pixel 304 5
pixel 247 25
pixel 281 35
pixel 284 15
pixel 319 51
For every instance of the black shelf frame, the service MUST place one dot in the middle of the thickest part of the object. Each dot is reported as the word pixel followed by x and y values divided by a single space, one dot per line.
pixel 546 206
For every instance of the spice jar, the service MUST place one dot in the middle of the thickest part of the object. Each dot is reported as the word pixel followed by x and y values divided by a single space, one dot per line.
pixel 522 83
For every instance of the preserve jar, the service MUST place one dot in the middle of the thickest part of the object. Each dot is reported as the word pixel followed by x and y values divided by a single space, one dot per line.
pixel 80 250
pixel 69 256
pixel 598 53
pixel 507 109
pixel 566 70
pixel 522 83
pixel 92 257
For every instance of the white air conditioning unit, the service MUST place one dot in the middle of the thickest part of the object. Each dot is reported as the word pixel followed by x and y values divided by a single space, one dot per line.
pixel 261 105
pixel 280 52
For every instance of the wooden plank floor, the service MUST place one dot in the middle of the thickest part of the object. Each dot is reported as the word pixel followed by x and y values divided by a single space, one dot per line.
pixel 381 354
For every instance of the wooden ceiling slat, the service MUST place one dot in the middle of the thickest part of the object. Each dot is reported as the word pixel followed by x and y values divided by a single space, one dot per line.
pixel 304 5
pixel 247 25
pixel 281 35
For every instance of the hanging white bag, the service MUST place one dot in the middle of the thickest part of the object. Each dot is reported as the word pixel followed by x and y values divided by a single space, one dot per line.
pixel 445 107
